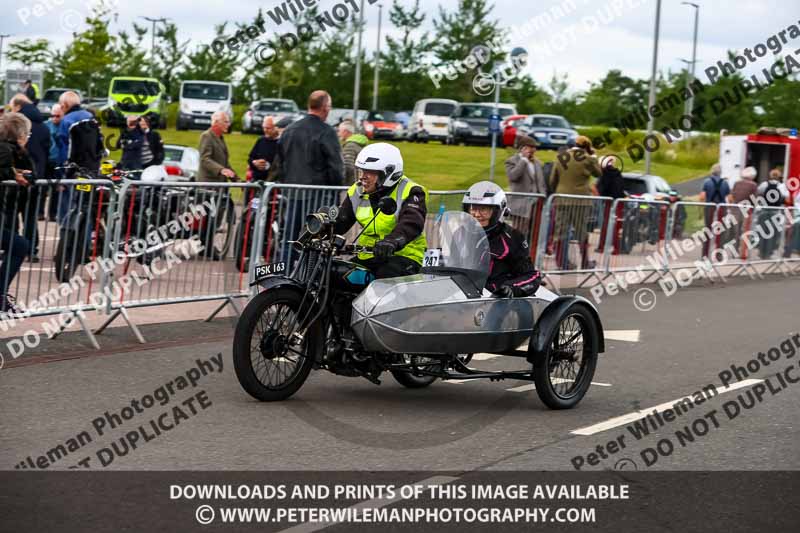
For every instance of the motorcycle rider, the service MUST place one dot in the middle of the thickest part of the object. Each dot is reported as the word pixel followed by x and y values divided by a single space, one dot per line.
pixel 398 239
pixel 511 272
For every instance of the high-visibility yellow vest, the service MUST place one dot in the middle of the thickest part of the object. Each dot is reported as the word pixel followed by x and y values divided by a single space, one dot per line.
pixel 383 223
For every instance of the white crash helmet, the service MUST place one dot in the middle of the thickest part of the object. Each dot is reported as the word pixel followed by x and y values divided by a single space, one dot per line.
pixel 383 158
pixel 487 193
pixel 154 173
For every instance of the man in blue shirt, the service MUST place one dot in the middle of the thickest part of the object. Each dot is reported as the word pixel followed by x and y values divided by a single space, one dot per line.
pixel 716 190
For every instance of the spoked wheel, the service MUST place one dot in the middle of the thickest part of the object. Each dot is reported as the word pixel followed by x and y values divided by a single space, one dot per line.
pixel 414 380
pixel 565 372
pixel 271 358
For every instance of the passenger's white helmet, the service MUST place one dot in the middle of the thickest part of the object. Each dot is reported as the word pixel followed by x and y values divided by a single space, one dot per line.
pixel 384 158
pixel 487 193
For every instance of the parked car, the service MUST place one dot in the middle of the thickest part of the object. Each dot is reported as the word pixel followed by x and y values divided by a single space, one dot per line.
pixel 643 221
pixel 181 162
pixel 550 131
pixel 469 123
pixel 338 114
pixel 382 125
pixel 430 118
pixel 646 186
pixel 200 99
pixel 509 128
pixel 129 95
pixel 50 98
pixel 276 107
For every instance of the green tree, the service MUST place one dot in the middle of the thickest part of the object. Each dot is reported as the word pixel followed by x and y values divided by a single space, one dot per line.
pixel 87 59
pixel 169 57
pixel 29 52
pixel 404 68
pixel 206 64
pixel 130 57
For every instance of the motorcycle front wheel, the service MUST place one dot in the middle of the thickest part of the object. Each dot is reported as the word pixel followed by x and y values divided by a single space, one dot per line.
pixel 270 360
pixel 68 256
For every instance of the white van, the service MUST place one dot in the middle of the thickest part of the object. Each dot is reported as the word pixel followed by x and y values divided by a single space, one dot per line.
pixel 429 119
pixel 199 99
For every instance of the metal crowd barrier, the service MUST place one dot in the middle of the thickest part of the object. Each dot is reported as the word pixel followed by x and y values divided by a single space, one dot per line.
pixel 52 279
pixel 100 221
pixel 178 242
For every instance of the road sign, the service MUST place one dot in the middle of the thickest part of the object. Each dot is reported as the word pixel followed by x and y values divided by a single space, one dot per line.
pixel 494 123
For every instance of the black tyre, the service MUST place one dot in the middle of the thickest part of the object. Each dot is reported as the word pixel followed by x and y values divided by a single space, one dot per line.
pixel 242 256
pixel 68 256
pixel 225 228
pixel 267 366
pixel 565 372
pixel 414 380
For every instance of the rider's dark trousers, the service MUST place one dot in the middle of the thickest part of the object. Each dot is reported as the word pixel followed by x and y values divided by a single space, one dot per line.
pixel 392 267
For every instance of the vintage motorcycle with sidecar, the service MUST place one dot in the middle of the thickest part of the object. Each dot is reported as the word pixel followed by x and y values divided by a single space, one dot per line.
pixel 330 313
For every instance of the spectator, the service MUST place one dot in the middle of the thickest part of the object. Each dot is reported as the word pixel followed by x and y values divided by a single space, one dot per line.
pixel 80 145
pixel 611 184
pixel 15 129
pixel 53 161
pixel 743 193
pixel 31 90
pixel 572 174
pixel 38 149
pixel 352 144
pixel 215 166
pixel 214 163
pixel 715 191
pixel 310 154
pixel 130 141
pixel 793 239
pixel 152 145
pixel 771 218
pixel 263 153
pixel 525 174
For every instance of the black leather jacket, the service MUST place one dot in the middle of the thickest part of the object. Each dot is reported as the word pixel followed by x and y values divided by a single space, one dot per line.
pixel 310 153
pixel 511 262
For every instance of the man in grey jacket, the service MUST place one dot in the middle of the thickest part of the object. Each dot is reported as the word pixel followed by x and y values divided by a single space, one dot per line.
pixel 525 174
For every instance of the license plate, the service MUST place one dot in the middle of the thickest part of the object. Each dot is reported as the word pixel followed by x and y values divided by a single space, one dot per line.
pixel 203 120
pixel 558 141
pixel 85 187
pixel 432 257
pixel 271 269
pixel 439 125
pixel 480 132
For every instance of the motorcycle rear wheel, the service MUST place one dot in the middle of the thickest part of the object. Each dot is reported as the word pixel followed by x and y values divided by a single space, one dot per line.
pixel 267 366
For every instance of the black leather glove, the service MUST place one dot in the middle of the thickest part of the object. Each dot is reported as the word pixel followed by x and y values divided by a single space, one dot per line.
pixel 384 249
pixel 504 291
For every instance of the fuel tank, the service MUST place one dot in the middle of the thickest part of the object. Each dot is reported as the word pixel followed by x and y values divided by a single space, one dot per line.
pixel 432 314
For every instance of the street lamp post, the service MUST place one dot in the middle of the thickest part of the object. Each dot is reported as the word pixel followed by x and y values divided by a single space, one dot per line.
pixel 690 102
pixel 652 100
pixel 689 78
pixel 153 38
pixel 2 38
pixel 377 62
pixel 518 60
pixel 358 66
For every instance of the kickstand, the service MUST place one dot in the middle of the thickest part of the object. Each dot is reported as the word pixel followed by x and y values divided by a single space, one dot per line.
pixel 124 313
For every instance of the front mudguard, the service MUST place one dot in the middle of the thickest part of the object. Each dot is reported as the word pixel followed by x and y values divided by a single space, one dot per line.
pixel 549 320
pixel 274 282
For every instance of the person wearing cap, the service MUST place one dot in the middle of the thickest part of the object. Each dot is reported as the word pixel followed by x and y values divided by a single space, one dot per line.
pixel 572 174
pixel 397 239
pixel 525 175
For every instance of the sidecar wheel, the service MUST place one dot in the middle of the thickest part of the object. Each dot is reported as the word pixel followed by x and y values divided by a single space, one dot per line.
pixel 267 366
pixel 565 372
pixel 408 379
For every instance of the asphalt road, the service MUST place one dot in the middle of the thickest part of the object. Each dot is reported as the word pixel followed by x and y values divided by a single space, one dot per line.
pixel 340 423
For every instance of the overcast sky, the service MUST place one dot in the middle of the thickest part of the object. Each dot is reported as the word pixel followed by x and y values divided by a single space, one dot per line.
pixel 585 40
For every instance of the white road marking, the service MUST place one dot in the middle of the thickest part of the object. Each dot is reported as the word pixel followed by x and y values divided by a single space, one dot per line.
pixel 456 381
pixel 376 503
pixel 627 335
pixel 523 388
pixel 636 415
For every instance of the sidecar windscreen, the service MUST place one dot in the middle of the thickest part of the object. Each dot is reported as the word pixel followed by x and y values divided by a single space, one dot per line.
pixel 463 251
